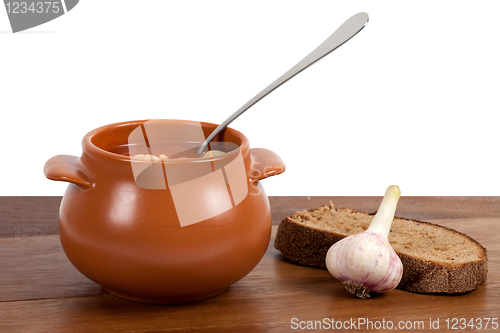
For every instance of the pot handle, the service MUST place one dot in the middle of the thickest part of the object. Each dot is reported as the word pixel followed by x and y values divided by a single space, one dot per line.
pixel 67 168
pixel 265 163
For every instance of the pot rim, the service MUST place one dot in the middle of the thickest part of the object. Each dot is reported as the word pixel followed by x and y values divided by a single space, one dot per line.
pixel 92 149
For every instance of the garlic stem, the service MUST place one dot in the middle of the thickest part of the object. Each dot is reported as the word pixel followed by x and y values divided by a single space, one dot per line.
pixel 381 223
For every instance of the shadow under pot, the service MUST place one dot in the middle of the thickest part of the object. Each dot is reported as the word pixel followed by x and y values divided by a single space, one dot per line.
pixel 162 230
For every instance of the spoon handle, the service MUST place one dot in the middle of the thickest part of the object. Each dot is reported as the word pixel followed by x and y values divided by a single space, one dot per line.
pixel 345 32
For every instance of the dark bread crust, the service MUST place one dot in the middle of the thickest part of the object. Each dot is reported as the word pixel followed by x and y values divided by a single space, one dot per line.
pixel 308 246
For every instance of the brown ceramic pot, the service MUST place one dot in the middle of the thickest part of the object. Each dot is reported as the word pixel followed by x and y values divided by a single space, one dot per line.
pixel 135 241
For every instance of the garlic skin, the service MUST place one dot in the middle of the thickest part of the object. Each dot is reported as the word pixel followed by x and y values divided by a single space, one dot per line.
pixel 366 262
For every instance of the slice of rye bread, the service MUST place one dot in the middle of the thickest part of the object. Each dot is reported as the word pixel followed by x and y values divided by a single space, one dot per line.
pixel 435 259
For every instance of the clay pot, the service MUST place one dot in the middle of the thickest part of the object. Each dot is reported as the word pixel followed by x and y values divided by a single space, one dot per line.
pixel 184 233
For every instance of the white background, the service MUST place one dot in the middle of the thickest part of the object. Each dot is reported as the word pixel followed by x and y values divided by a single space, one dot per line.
pixel 412 100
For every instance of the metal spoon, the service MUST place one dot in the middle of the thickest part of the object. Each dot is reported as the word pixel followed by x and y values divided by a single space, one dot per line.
pixel 345 32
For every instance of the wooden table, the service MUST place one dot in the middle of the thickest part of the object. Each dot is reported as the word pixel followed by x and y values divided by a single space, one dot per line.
pixel 40 291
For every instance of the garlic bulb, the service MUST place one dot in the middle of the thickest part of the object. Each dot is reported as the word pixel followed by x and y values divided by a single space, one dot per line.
pixel 366 262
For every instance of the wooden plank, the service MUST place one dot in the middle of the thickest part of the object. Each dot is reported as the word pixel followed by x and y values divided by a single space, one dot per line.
pixel 29 216
pixel 36 267
pixel 54 297
pixel 420 208
pixel 37 216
